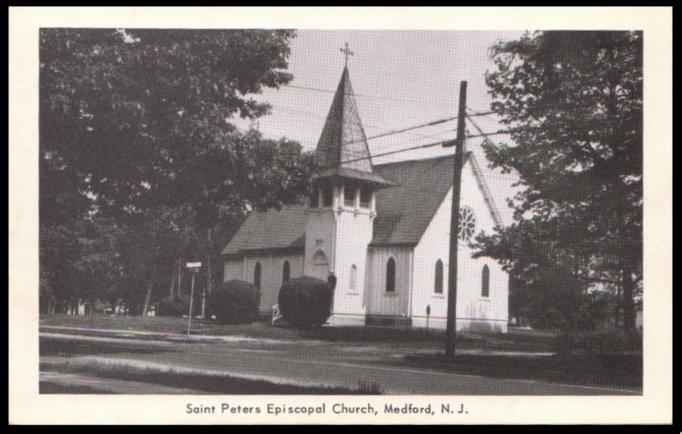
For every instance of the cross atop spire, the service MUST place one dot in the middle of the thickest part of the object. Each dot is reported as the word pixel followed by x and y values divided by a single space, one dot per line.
pixel 346 51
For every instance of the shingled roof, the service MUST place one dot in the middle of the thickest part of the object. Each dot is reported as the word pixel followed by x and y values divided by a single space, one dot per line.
pixel 343 141
pixel 271 230
pixel 403 212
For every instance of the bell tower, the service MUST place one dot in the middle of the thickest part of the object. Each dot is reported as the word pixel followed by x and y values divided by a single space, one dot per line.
pixel 341 209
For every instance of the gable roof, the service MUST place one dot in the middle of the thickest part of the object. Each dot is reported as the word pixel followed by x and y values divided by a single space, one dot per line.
pixel 483 186
pixel 270 230
pixel 398 221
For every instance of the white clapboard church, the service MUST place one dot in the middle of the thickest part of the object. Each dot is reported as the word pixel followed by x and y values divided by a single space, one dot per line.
pixel 383 230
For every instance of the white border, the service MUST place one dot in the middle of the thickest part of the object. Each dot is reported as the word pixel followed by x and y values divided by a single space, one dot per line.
pixel 27 406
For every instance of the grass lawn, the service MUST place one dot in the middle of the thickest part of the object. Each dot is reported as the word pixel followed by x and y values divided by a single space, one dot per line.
pixel 204 381
pixel 493 355
pixel 521 341
pixel 534 341
pixel 513 341
pixel 167 325
pixel 255 330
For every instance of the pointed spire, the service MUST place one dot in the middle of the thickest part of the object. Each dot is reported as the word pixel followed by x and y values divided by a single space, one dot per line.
pixel 343 142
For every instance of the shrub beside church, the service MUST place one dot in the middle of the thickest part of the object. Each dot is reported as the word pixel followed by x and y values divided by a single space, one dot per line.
pixel 234 302
pixel 305 301
pixel 177 306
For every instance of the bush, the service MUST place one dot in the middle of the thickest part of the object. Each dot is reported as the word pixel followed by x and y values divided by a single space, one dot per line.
pixel 234 302
pixel 177 306
pixel 607 341
pixel 305 301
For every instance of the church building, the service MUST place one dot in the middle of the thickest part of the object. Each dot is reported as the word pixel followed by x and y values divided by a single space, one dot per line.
pixel 383 230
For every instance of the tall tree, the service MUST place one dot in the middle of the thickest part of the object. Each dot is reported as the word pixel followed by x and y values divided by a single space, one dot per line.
pixel 132 115
pixel 573 101
pixel 137 123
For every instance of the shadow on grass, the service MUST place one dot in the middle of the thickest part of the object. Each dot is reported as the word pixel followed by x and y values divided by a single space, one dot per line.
pixel 47 387
pixel 381 334
pixel 69 348
pixel 586 369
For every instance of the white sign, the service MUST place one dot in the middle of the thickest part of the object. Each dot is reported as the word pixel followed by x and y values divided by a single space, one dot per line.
pixel 194 265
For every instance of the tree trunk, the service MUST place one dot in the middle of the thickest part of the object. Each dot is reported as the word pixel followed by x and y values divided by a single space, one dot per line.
pixel 180 277
pixel 150 287
pixel 628 304
pixel 172 286
pixel 147 297
pixel 209 255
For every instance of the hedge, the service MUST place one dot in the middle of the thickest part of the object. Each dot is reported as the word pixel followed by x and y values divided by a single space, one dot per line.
pixel 234 302
pixel 305 301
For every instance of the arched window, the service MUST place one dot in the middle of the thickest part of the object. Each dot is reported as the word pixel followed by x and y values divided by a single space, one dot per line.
pixel 353 277
pixel 365 197
pixel 438 285
pixel 485 282
pixel 327 195
pixel 286 271
pixel 256 276
pixel 349 193
pixel 390 275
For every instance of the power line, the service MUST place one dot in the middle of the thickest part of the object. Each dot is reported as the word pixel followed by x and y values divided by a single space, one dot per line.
pixel 412 148
pixel 389 131
pixel 480 131
pixel 429 124
pixel 429 136
pixel 317 89
pixel 397 151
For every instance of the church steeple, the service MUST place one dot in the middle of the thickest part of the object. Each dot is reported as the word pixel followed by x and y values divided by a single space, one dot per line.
pixel 342 206
pixel 343 142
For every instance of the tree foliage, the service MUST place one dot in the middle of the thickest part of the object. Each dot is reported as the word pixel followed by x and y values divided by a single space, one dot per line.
pixel 136 136
pixel 573 103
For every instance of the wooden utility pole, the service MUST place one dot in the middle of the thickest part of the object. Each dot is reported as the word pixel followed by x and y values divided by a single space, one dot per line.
pixel 451 326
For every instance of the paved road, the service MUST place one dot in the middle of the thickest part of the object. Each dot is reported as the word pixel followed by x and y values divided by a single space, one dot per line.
pixel 305 362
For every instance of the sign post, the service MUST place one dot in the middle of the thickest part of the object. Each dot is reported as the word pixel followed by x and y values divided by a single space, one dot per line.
pixel 194 268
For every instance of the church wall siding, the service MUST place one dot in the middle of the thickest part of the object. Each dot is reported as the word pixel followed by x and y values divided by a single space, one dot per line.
pixel 271 274
pixel 340 233
pixel 353 234
pixel 473 310
pixel 379 302
pixel 320 237
pixel 234 269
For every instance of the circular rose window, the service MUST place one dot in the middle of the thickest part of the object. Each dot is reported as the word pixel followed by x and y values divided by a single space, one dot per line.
pixel 467 223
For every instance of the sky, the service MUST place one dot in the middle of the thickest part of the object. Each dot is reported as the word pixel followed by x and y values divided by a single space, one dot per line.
pixel 401 79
